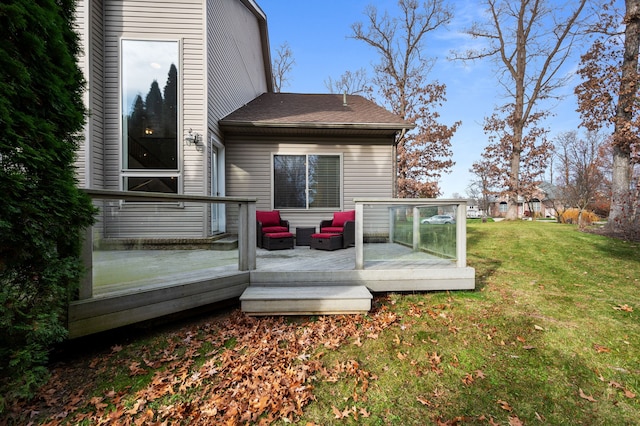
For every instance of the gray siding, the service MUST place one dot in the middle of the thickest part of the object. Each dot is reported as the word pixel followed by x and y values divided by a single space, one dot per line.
pixel 367 172
pixel 157 20
pixel 221 68
pixel 235 63
pixel 90 159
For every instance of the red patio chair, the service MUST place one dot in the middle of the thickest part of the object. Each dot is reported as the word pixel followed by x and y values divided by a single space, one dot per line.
pixel 342 223
pixel 269 222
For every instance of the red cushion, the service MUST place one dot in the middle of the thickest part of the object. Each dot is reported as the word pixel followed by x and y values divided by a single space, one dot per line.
pixel 274 229
pixel 268 218
pixel 279 235
pixel 324 235
pixel 339 218
pixel 333 229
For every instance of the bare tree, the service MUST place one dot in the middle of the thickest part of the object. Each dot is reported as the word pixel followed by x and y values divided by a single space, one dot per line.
pixel 486 174
pixel 530 40
pixel 423 154
pixel 580 165
pixel 282 66
pixel 609 95
pixel 351 83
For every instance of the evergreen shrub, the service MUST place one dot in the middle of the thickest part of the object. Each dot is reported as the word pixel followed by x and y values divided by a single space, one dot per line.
pixel 42 213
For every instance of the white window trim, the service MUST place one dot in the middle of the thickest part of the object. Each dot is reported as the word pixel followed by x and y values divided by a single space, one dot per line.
pixel 178 172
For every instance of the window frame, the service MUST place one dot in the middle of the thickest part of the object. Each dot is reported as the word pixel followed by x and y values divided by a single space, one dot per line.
pixel 307 206
pixel 126 171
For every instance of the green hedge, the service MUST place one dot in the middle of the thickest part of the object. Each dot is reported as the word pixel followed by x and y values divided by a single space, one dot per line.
pixel 42 213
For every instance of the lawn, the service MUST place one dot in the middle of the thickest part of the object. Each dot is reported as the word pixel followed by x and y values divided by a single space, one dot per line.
pixel 550 336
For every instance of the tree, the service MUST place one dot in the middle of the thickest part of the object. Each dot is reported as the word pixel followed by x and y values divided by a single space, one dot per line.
pixel 42 213
pixel 424 153
pixel 483 187
pixel 580 166
pixel 609 96
pixel 282 66
pixel 533 154
pixel 530 40
pixel 170 103
pixel 351 83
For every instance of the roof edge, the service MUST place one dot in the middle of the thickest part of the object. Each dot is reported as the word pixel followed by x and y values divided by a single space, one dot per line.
pixel 317 125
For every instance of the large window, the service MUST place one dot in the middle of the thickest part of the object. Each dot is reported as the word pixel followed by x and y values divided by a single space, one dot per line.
pixel 149 79
pixel 306 181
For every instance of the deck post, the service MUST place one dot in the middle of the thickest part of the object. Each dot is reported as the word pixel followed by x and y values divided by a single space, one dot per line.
pixel 461 235
pixel 416 229
pixel 247 237
pixel 359 236
pixel 85 291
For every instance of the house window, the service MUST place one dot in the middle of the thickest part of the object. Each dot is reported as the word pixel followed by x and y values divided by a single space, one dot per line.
pixel 149 81
pixel 503 207
pixel 536 205
pixel 307 181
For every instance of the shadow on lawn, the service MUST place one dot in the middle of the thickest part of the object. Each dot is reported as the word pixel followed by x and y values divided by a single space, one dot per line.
pixel 485 267
pixel 619 249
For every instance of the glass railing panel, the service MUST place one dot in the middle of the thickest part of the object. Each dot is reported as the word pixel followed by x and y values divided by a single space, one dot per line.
pixel 141 244
pixel 410 233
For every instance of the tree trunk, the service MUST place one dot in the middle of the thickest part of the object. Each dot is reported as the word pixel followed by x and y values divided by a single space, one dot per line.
pixel 620 184
pixel 620 181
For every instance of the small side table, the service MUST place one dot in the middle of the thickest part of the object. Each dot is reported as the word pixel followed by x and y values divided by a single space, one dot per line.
pixel 303 235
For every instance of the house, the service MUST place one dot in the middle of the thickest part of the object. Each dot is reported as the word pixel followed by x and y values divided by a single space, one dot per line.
pixel 339 146
pixel 182 112
pixel 159 77
pixel 538 205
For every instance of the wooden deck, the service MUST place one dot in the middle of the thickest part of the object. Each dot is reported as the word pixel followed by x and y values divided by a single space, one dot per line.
pixel 136 285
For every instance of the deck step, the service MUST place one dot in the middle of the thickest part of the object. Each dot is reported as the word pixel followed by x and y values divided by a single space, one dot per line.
pixel 226 243
pixel 305 300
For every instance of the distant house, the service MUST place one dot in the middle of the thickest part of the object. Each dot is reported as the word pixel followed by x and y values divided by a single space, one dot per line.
pixel 181 101
pixel 539 205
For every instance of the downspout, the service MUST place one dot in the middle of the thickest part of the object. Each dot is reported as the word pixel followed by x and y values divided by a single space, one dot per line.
pixel 395 161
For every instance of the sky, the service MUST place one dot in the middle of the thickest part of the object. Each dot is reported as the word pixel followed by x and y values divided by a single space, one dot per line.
pixel 317 33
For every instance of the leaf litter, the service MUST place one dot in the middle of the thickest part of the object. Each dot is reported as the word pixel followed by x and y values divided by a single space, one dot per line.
pixel 255 370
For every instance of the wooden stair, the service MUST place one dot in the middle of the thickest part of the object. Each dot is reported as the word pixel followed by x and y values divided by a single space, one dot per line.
pixel 305 300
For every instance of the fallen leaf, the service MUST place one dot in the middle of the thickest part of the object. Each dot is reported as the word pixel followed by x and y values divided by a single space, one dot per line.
pixel 601 349
pixel 624 307
pixel 537 327
pixel 337 412
pixel 515 421
pixel 520 339
pixel 480 374
pixel 423 401
pixel 364 412
pixel 585 396
pixel 401 356
pixel 629 394
pixel 505 405
pixel 468 379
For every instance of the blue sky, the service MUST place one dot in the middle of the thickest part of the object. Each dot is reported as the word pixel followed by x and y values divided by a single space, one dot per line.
pixel 317 32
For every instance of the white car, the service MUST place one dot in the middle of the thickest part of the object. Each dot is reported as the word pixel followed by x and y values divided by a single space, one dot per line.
pixel 438 219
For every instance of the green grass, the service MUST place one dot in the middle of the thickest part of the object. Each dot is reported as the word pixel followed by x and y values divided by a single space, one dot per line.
pixel 551 335
pixel 544 323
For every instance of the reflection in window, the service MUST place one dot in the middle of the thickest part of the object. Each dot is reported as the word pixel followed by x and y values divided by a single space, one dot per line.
pixel 150 114
pixel 306 181
pixel 503 207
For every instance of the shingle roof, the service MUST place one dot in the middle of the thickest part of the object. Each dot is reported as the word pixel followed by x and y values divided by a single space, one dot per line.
pixel 289 110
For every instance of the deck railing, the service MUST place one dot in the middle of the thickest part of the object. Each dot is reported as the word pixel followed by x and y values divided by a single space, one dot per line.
pixel 149 215
pixel 400 221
